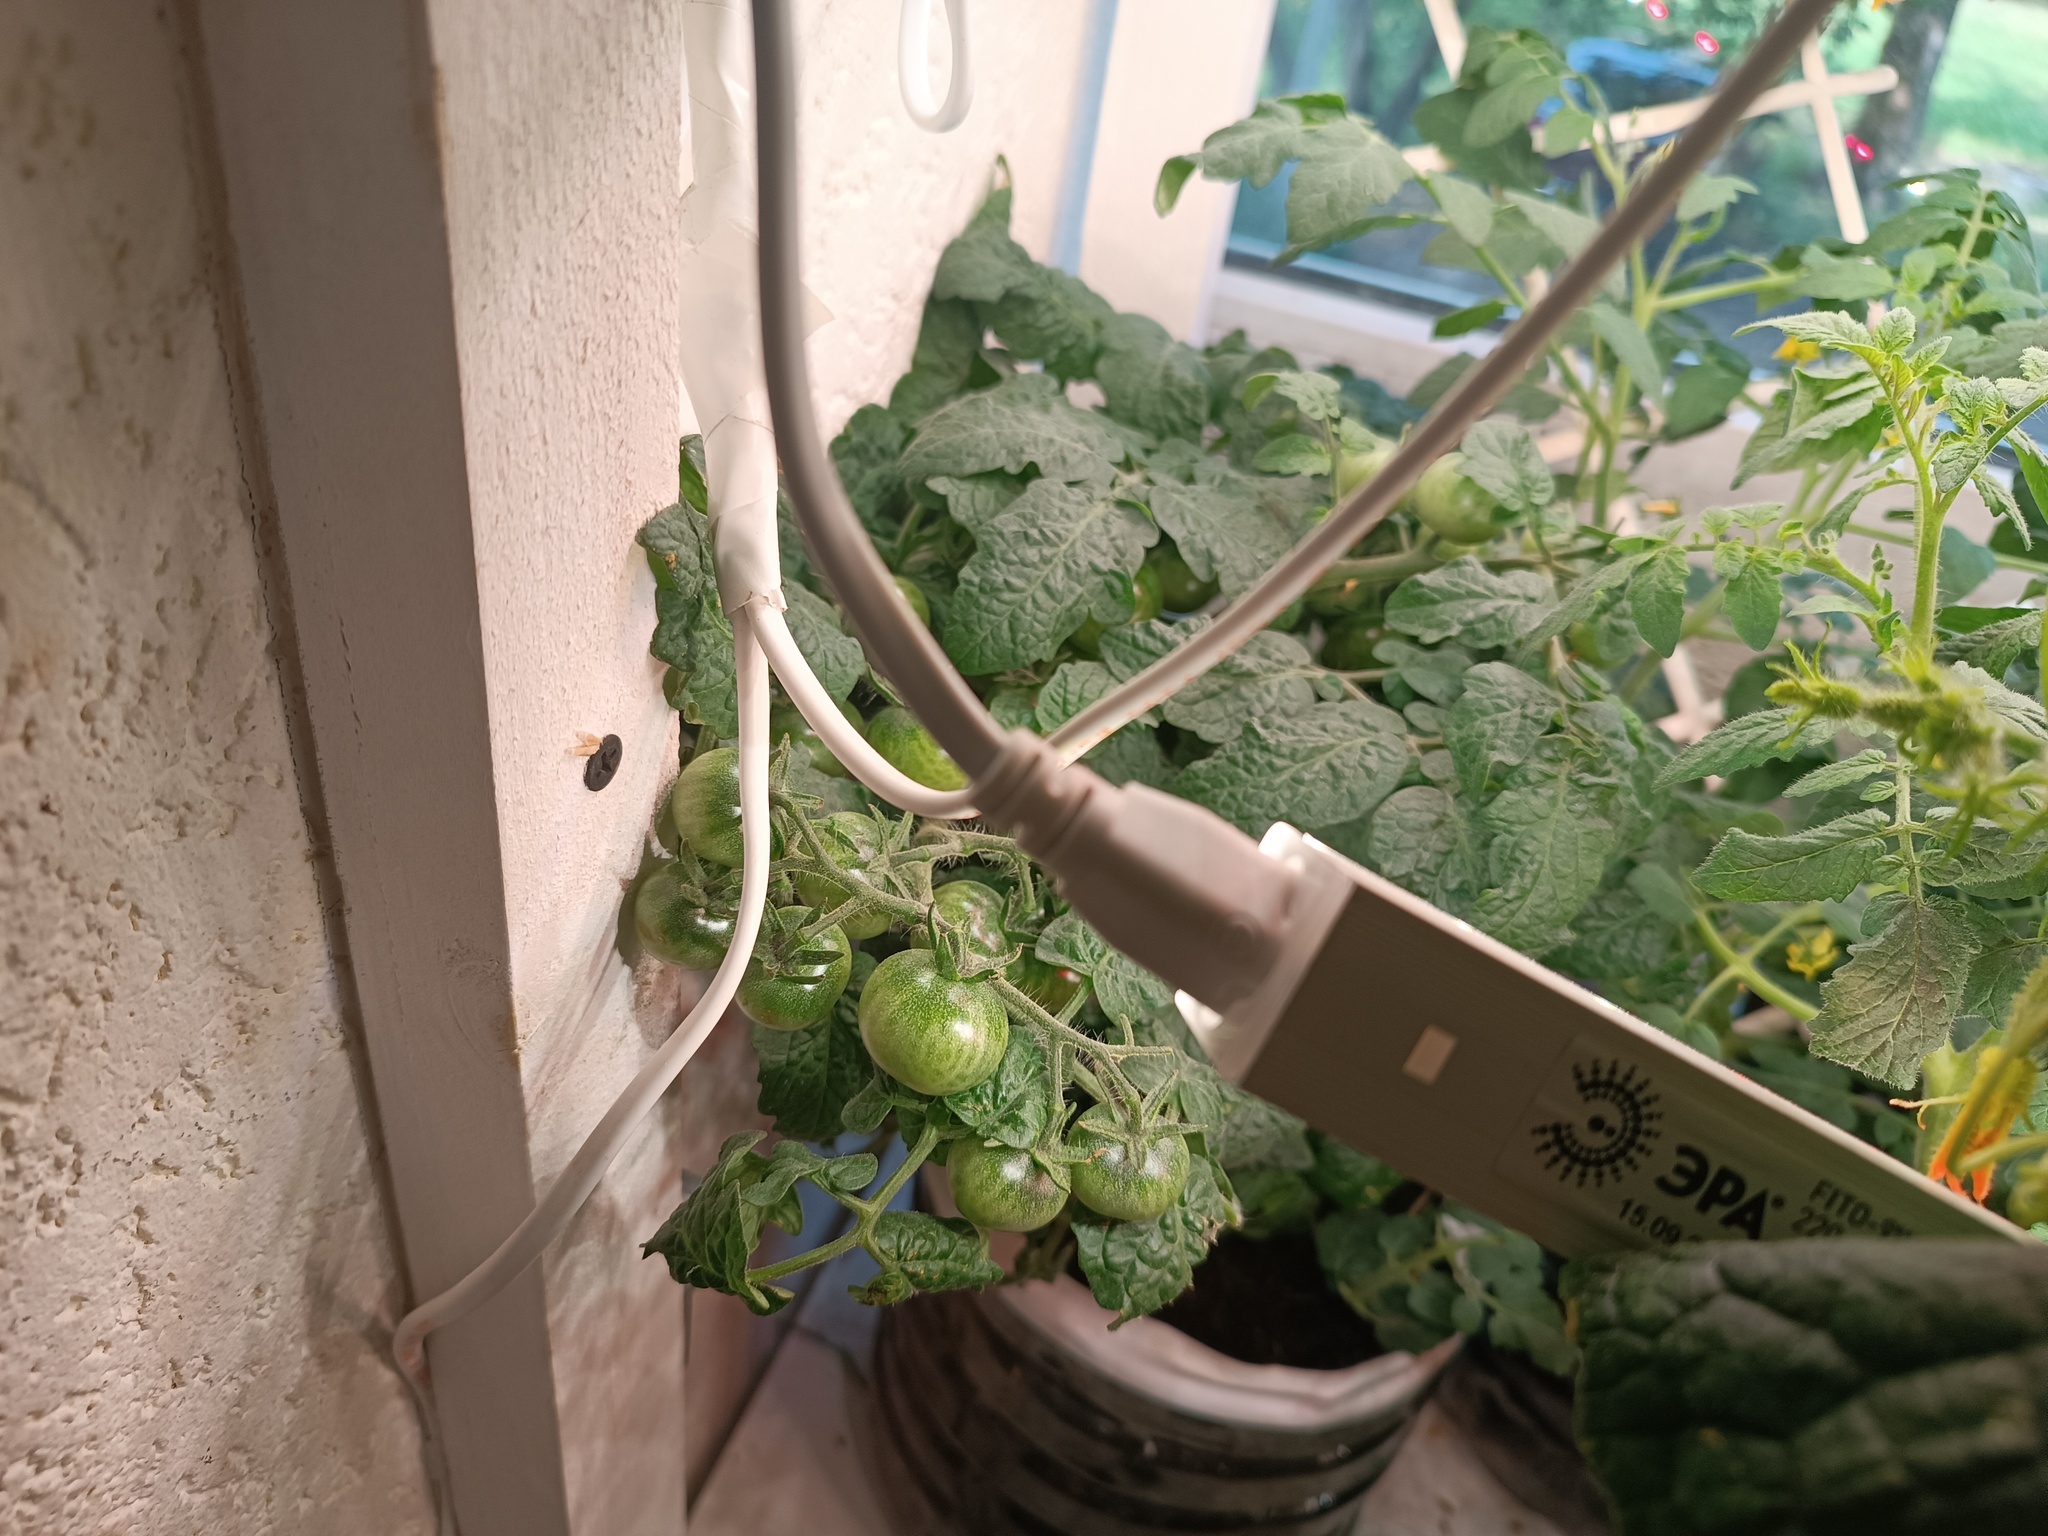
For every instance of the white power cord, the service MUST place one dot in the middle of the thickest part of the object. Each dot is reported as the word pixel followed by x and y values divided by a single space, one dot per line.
pixel 573 1185
pixel 838 733
pixel 913 67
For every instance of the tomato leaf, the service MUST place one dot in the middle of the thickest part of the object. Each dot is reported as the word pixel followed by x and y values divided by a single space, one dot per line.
pixel 1325 764
pixel 1496 721
pixel 1222 531
pixel 1997 975
pixel 1011 1105
pixel 1823 863
pixel 983 263
pixel 711 1235
pixel 1137 1267
pixel 1465 599
pixel 834 655
pixel 1744 742
pixel 1150 380
pixel 1255 1134
pixel 1127 991
pixel 1069 941
pixel 1022 422
pixel 1897 995
pixel 926 1253
pixel 1047 561
pixel 1656 598
pixel 1551 837
pixel 1071 689
pixel 1504 461
pixel 809 1076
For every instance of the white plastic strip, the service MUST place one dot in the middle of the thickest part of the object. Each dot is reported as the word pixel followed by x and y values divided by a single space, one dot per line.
pixel 913 67
pixel 552 1215
pixel 841 739
pixel 1834 148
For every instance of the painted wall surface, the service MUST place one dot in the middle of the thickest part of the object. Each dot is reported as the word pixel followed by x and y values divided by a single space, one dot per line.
pixel 195 1279
pixel 564 142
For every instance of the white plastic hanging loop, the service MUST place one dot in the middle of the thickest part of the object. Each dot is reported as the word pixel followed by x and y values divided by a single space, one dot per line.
pixel 913 68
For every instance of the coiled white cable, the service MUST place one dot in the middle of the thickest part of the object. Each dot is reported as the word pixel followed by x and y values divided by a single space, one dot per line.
pixel 837 732
pixel 552 1215
pixel 913 67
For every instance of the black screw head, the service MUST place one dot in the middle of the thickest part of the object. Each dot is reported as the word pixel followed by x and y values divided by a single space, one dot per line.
pixel 599 767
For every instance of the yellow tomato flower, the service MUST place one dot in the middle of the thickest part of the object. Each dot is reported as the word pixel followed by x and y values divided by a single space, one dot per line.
pixel 1793 350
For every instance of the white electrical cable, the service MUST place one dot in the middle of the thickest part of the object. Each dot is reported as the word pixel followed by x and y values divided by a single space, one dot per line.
pixel 841 739
pixel 913 67
pixel 573 1185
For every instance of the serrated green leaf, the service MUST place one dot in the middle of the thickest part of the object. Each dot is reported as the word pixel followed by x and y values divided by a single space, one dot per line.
pixel 1823 327
pixel 1011 1105
pixel 972 500
pixel 1551 839
pixel 1565 130
pixel 1256 147
pixel 834 655
pixel 1823 863
pixel 1705 195
pixel 983 263
pixel 1256 1134
pixel 1569 230
pixel 1150 380
pixel 1468 208
pixel 1630 346
pixel 1996 977
pixel 1588 594
pixel 1326 764
pixel 1507 107
pixel 1071 689
pixel 1137 1267
pixel 1964 566
pixel 1841 278
pixel 1743 743
pixel 1127 991
pixel 1411 836
pixel 1504 461
pixel 1656 598
pixel 1465 599
pixel 1496 721
pixel 1894 999
pixel 1222 531
pixel 710 1236
pixel 931 1253
pixel 1345 171
pixel 1438 675
pixel 1053 316
pixel 1850 770
pixel 1614 937
pixel 1069 941
pixel 1295 454
pixel 1022 422
pixel 1047 561
pixel 809 1076
pixel 1754 598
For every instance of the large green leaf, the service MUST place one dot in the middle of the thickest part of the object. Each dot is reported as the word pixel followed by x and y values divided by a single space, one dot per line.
pixel 1897 995
pixel 1150 380
pixel 1010 1106
pixel 1466 600
pixel 1020 423
pixel 834 655
pixel 983 263
pixel 1496 721
pixel 1071 689
pixel 1222 531
pixel 927 1253
pixel 709 1238
pixel 1411 835
pixel 1136 1267
pixel 1744 742
pixel 1823 863
pixel 1325 764
pixel 1551 841
pixel 1055 556
pixel 1656 598
pixel 1504 461
pixel 1346 170
pixel 809 1076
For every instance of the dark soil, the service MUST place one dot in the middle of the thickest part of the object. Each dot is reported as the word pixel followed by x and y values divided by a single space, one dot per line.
pixel 1267 1303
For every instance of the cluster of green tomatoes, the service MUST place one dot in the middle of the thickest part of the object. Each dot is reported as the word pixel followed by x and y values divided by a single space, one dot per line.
pixel 956 974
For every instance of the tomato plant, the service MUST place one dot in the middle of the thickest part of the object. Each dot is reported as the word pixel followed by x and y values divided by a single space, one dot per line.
pixel 1004 1189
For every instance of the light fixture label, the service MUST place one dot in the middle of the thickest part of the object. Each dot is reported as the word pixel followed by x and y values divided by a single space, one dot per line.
pixel 1618 1142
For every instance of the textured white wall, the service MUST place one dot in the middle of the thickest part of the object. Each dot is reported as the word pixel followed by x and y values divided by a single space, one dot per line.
pixel 195 1284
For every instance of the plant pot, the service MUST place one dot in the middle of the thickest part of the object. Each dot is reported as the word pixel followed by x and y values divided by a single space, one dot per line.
pixel 1017 1412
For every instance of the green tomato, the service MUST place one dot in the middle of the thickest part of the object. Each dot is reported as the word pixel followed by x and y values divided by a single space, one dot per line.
pixel 801 991
pixel 850 838
pixel 1003 1189
pixel 909 748
pixel 1143 604
pixel 705 807
pixel 1452 506
pixel 1348 646
pixel 1180 589
pixel 1586 641
pixel 2028 1203
pixel 784 721
pixel 1120 1178
pixel 673 928
pixel 913 594
pixel 933 1033
pixel 1354 469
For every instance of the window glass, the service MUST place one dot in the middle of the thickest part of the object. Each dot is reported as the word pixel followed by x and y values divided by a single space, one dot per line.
pixel 1383 57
